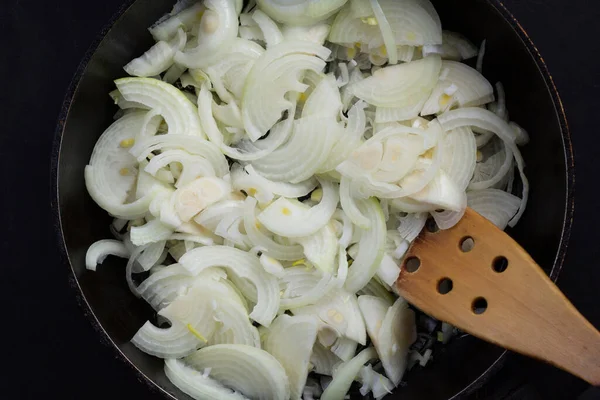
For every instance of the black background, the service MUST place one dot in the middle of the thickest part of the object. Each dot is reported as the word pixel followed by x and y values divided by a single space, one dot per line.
pixel 49 348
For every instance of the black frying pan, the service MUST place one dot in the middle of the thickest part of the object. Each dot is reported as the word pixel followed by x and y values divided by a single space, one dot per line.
pixel 460 367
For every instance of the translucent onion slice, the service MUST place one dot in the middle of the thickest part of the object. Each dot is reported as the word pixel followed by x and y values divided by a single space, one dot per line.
pixel 324 99
pixel 413 22
pixel 411 225
pixel 191 144
pixel 255 234
pixel 217 29
pixel 459 85
pixel 101 249
pixel 496 205
pixel 386 32
pixel 241 266
pixel 345 375
pixel 306 151
pixel 290 340
pixel 276 72
pixel 484 119
pixel 401 85
pixel 373 382
pixel 465 48
pixel 271 33
pixel 316 33
pixel 178 112
pixel 158 58
pixel 197 384
pixel 323 360
pixel 398 331
pixel 246 369
pixel 161 288
pixel 388 270
pixel 290 218
pixel 374 288
pixel 299 12
pixel 111 172
pixel 339 311
pixel 151 232
pixel 321 248
pixel 263 189
pixel 167 26
pixel 373 310
pixel 442 193
pixel 348 201
pixel 460 156
pixel 371 247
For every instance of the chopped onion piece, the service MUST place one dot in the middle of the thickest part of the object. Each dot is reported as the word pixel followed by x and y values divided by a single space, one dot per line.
pixel 98 251
pixel 345 375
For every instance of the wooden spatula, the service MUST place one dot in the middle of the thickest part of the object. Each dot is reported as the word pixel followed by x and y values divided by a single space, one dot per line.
pixel 475 277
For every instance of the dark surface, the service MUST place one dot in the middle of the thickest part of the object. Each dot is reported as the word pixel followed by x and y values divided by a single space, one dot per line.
pixel 50 39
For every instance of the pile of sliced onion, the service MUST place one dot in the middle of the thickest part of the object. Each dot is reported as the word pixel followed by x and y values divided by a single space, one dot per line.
pixel 268 170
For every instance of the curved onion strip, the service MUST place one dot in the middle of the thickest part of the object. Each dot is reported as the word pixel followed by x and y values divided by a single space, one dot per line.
pixel 339 311
pixel 460 156
pixel 299 12
pixel 459 85
pixel 293 219
pixel 98 251
pixel 487 120
pixel 348 203
pixel 400 85
pixel 275 73
pixel 321 248
pixel 249 370
pixel 465 48
pixel 496 205
pixel 196 384
pixel 306 151
pixel 345 375
pixel 271 32
pixel 167 26
pixel 191 144
pixel 179 113
pixel 158 58
pixel 371 247
pixel 411 225
pixel 398 331
pixel 241 265
pixel 272 248
pixel 217 29
pixel 290 340
pixel 112 171
pixel 386 32
pixel 323 360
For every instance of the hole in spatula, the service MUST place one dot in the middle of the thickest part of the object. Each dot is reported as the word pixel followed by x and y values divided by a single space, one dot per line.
pixel 466 244
pixel 479 305
pixel 500 264
pixel 412 264
pixel 431 226
pixel 445 286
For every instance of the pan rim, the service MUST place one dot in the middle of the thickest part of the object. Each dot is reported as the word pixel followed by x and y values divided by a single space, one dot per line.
pixel 106 339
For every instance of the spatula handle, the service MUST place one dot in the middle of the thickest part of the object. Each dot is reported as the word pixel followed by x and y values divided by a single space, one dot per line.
pixel 525 312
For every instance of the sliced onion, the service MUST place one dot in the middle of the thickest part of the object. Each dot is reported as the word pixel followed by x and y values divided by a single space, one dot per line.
pixel 465 48
pixel 411 225
pixel 196 384
pixel 271 32
pixel 290 340
pixel 179 113
pixel 298 12
pixel 151 232
pixel 374 288
pixel 272 248
pixel 386 32
pixel 316 33
pixel 246 369
pixel 167 26
pixel 388 270
pixel 217 29
pixel 373 382
pixel 496 205
pixel 164 286
pixel 293 219
pixel 112 171
pixel 371 247
pixel 98 251
pixel 460 156
pixel 400 85
pixel 321 248
pixel 339 311
pixel 487 120
pixel 241 266
pixel 348 201
pixel 275 73
pixel 459 85
pixel 323 360
pixel 442 193
pixel 158 58
pixel 345 375
pixel 398 331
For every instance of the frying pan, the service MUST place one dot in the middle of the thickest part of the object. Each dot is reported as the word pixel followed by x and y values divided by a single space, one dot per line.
pixel 458 368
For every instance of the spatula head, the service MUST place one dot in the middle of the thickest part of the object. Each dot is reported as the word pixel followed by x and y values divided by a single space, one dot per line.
pixel 477 278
